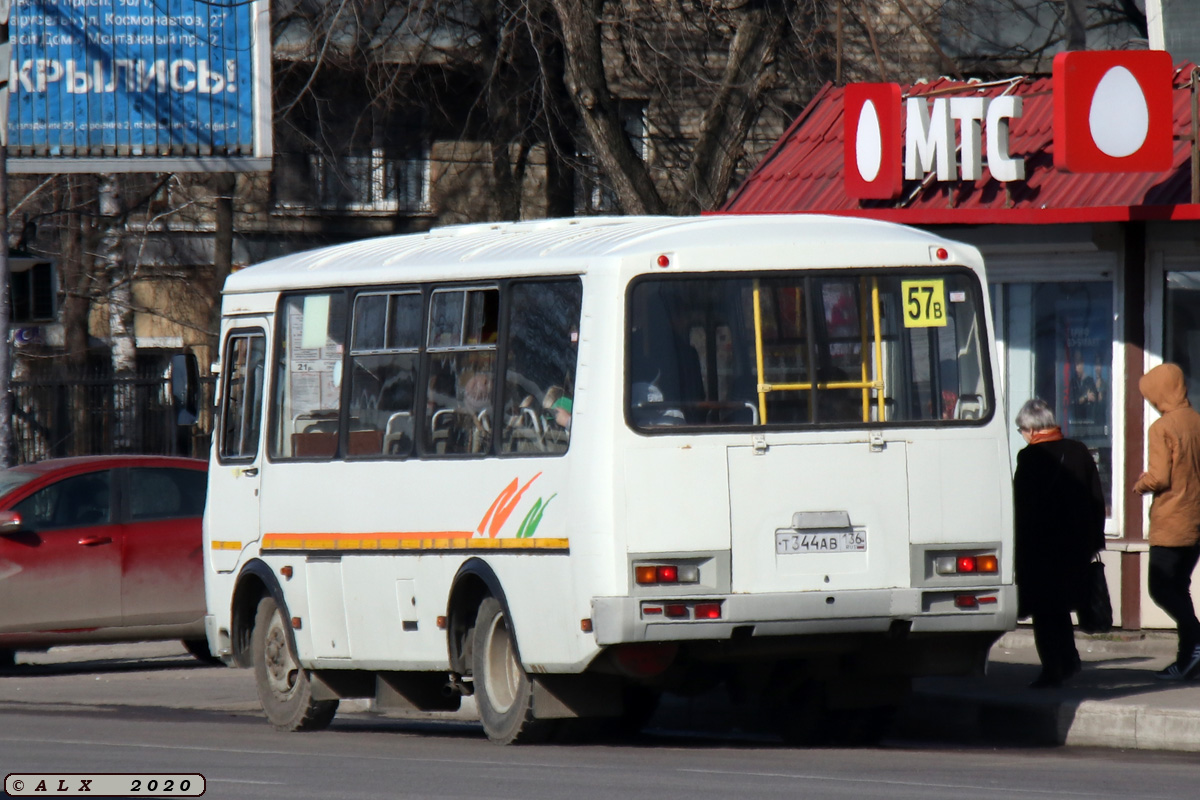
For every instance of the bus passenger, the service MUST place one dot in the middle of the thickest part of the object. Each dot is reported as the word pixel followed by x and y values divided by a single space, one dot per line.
pixel 558 407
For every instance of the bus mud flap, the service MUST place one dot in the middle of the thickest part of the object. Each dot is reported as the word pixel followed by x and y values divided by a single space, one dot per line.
pixel 415 691
pixel 571 696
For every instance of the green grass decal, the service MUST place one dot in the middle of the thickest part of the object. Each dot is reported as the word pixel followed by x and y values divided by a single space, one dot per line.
pixel 533 518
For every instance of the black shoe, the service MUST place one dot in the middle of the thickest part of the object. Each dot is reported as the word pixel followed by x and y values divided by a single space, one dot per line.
pixel 1046 681
pixel 1186 668
pixel 1074 669
pixel 1172 673
pixel 1191 664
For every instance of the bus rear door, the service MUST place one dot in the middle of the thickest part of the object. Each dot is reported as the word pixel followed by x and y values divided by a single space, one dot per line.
pixel 811 517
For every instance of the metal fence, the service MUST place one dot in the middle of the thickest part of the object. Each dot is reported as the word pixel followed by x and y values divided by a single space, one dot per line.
pixel 102 415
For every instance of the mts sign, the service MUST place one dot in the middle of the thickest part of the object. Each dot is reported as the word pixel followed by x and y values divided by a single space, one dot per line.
pixel 929 138
pixel 1113 111
pixel 873 137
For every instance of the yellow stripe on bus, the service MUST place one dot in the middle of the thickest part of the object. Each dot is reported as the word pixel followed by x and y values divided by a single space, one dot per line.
pixel 219 545
pixel 442 540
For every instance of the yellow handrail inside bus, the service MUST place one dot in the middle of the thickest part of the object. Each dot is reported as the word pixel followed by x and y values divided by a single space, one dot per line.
pixel 758 354
pixel 864 384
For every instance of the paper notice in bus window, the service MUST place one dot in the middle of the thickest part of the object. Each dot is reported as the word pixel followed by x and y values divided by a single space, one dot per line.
pixel 316 321
pixel 924 303
pixel 306 390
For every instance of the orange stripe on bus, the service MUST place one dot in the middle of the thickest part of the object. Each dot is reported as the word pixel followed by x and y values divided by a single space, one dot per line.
pixel 442 540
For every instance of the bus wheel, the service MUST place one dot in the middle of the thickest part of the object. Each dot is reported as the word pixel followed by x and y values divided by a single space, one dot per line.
pixel 8 658
pixel 503 692
pixel 283 686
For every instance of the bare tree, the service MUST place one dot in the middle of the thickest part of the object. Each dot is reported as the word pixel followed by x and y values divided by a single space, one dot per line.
pixel 1006 37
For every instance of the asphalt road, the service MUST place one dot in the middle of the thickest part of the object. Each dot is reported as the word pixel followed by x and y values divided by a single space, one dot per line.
pixel 83 710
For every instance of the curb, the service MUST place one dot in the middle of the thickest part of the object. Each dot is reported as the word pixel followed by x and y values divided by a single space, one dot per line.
pixel 1078 723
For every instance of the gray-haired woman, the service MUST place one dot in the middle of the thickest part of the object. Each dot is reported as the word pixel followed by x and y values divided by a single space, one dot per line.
pixel 1060 514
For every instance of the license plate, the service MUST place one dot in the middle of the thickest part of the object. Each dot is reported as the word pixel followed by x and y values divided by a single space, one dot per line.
pixel 842 541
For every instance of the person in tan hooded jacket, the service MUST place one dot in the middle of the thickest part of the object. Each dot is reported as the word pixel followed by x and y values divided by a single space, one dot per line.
pixel 1172 476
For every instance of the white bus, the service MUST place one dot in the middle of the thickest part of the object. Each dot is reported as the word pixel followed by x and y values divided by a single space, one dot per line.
pixel 652 454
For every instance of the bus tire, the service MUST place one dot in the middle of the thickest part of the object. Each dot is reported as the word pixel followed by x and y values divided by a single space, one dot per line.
pixel 8 659
pixel 283 686
pixel 503 691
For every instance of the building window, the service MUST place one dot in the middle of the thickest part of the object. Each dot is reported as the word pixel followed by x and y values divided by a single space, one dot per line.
pixel 593 195
pixel 33 292
pixel 361 182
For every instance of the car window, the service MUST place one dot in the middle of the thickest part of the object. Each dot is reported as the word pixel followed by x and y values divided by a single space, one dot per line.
pixel 12 479
pixel 70 503
pixel 166 493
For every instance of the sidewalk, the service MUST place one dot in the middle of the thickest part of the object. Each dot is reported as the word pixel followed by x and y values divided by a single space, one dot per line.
pixel 1114 702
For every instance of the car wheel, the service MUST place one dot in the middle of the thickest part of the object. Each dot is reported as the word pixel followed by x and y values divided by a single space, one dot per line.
pixel 503 691
pixel 198 649
pixel 283 685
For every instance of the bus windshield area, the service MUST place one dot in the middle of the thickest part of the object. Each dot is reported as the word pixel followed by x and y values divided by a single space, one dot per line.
pixel 837 348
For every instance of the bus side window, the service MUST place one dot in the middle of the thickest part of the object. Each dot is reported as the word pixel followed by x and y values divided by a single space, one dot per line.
pixel 308 379
pixel 461 349
pixel 384 343
pixel 542 346
pixel 241 407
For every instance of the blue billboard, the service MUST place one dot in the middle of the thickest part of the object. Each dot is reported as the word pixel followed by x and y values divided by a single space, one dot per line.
pixel 107 85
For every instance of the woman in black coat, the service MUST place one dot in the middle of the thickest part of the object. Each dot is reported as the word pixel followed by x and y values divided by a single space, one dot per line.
pixel 1059 528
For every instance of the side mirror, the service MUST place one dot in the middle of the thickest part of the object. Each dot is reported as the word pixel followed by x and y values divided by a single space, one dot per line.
pixel 10 522
pixel 185 389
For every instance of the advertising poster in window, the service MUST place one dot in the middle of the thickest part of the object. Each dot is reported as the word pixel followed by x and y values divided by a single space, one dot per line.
pixel 1084 366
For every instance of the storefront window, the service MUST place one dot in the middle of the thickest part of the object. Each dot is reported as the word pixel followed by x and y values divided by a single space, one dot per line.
pixel 1059 348
pixel 1182 340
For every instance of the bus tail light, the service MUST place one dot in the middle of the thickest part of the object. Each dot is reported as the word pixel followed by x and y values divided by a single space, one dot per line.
pixel 967 564
pixel 683 610
pixel 658 574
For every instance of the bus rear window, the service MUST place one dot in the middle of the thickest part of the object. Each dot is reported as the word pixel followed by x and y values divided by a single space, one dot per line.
pixel 845 348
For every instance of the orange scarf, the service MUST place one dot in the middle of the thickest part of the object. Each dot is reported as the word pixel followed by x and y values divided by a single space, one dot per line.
pixel 1048 435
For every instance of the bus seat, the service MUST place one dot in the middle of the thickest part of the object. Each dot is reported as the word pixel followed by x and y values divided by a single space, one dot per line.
pixel 968 406
pixel 397 436
pixel 368 442
pixel 314 444
pixel 525 432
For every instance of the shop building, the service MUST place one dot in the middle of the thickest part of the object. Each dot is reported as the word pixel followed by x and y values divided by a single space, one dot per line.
pixel 1094 276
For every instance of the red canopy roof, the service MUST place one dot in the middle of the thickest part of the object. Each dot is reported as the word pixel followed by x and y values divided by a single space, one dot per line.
pixel 803 171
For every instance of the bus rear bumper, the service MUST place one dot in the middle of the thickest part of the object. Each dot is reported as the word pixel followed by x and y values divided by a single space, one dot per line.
pixel 618 620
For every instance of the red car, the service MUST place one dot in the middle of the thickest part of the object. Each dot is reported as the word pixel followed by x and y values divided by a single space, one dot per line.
pixel 102 549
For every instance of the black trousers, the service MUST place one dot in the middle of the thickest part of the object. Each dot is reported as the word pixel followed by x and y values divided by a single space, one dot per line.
pixel 1170 587
pixel 1054 638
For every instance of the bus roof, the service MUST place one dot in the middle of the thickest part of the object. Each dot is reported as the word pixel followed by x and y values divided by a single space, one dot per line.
pixel 551 246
